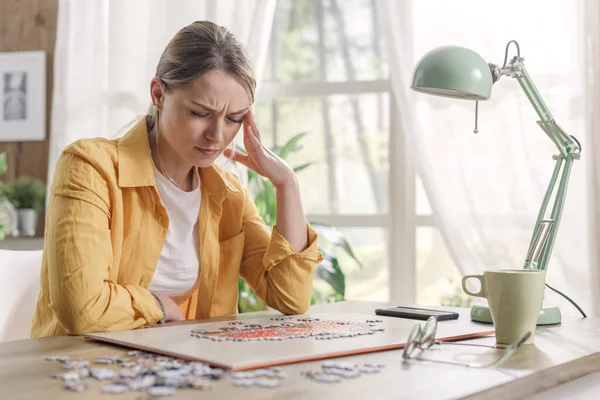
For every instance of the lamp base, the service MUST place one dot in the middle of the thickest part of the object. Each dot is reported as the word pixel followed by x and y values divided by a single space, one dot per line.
pixel 547 316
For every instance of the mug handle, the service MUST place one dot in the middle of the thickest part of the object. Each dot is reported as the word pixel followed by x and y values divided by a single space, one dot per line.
pixel 482 292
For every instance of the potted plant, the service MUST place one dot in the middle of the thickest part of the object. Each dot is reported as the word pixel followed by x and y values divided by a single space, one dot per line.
pixel 27 195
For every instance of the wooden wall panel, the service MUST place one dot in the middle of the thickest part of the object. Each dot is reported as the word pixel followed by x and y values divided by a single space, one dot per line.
pixel 27 25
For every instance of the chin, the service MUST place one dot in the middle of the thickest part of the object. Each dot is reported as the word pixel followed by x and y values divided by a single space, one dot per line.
pixel 203 162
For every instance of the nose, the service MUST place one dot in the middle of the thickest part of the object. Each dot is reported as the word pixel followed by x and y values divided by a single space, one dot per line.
pixel 214 130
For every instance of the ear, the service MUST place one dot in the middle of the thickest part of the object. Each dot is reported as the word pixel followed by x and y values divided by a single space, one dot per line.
pixel 157 92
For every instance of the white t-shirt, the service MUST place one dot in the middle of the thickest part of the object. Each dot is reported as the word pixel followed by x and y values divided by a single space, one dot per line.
pixel 178 266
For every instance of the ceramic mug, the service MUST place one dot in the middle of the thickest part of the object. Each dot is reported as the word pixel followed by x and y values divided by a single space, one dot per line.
pixel 515 298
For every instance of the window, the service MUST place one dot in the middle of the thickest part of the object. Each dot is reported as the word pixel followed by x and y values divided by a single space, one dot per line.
pixel 326 74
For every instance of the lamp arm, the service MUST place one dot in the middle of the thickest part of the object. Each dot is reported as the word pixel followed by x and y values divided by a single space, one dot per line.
pixel 569 150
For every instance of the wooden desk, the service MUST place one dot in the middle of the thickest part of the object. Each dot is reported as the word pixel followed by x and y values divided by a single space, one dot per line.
pixel 560 354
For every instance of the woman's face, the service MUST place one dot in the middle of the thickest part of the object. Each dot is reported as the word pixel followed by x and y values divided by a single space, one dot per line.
pixel 200 120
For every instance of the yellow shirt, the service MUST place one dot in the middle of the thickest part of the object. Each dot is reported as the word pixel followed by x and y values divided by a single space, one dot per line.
pixel 105 230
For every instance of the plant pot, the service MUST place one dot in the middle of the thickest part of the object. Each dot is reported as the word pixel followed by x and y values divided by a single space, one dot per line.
pixel 27 221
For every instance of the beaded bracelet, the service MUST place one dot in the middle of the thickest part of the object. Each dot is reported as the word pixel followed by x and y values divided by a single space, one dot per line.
pixel 162 308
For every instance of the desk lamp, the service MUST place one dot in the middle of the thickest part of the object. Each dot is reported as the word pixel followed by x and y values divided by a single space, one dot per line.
pixel 460 73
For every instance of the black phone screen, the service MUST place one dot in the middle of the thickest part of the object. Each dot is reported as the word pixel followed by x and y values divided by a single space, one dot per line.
pixel 416 313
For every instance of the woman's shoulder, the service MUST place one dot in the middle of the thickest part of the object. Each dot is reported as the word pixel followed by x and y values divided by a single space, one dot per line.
pixel 88 158
pixel 86 171
pixel 96 150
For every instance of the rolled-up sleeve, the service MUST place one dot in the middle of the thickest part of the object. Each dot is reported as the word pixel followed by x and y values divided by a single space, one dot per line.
pixel 83 296
pixel 277 273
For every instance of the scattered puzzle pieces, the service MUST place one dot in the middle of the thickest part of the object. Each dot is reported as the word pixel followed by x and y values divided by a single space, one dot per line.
pixel 334 372
pixel 157 375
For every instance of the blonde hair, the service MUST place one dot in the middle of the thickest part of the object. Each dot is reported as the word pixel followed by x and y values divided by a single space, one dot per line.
pixel 200 47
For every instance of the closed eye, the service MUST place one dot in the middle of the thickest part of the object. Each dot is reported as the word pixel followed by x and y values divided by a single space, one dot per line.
pixel 200 115
pixel 196 114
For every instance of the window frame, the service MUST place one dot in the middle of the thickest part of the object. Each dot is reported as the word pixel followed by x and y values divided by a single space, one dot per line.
pixel 401 221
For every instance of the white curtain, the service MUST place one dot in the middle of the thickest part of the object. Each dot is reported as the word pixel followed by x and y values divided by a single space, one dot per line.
pixel 107 52
pixel 592 25
pixel 486 188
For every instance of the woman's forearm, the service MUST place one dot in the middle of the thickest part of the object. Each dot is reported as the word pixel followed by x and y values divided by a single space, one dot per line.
pixel 291 222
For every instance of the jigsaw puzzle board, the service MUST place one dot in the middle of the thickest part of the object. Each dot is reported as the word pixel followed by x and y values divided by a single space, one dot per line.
pixel 268 341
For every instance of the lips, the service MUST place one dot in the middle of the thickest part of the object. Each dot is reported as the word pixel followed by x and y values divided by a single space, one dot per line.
pixel 207 152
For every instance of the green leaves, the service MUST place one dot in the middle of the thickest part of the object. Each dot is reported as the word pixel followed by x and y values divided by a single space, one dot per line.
pixel 302 166
pixel 25 192
pixel 290 146
pixel 329 270
pixel 264 197
pixel 336 239
pixel 3 166
pixel 248 301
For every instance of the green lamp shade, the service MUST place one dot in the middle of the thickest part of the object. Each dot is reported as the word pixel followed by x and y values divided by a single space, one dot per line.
pixel 453 71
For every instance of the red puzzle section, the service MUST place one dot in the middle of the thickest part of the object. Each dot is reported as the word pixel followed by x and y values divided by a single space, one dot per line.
pixel 290 328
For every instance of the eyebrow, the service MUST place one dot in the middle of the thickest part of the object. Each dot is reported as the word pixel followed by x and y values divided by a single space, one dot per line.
pixel 210 109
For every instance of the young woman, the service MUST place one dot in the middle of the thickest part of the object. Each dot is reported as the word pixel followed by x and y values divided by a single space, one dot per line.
pixel 146 229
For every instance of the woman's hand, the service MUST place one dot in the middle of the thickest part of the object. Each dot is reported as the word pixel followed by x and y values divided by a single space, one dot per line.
pixel 172 311
pixel 260 159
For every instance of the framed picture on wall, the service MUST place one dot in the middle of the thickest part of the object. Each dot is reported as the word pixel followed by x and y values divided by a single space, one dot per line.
pixel 22 96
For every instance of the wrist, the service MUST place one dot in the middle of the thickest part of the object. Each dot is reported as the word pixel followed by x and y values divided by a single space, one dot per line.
pixel 160 305
pixel 290 182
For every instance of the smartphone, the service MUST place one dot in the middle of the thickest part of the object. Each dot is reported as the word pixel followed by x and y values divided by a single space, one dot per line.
pixel 415 313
